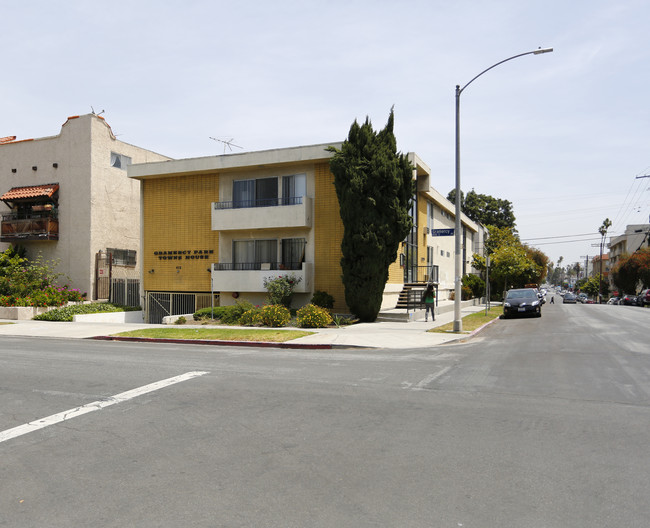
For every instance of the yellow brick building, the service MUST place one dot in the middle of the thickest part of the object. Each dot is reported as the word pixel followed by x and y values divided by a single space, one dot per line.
pixel 214 228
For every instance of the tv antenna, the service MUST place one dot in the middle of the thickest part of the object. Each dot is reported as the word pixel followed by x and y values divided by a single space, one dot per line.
pixel 226 143
pixel 95 113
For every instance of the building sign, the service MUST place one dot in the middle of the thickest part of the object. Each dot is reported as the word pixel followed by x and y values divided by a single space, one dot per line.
pixel 184 254
pixel 442 232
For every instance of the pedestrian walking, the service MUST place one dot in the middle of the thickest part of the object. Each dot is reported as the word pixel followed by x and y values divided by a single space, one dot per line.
pixel 429 301
pixel 552 299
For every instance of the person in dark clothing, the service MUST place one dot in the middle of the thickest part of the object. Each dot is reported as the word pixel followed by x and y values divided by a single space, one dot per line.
pixel 429 301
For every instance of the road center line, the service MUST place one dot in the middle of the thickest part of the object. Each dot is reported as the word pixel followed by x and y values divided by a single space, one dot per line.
pixel 95 406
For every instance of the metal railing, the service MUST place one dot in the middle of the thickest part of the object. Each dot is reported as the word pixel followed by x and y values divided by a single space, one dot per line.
pixel 254 266
pixel 31 215
pixel 265 202
pixel 421 274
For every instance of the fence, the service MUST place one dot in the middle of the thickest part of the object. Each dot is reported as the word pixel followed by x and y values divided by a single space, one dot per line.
pixel 162 304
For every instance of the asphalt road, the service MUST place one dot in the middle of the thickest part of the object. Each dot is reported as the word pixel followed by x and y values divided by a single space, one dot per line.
pixel 535 423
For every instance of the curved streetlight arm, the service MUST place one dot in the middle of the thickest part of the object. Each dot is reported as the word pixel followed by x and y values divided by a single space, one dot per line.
pixel 534 52
pixel 458 323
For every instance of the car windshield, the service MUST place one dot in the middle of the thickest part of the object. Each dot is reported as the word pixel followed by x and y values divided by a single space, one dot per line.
pixel 521 294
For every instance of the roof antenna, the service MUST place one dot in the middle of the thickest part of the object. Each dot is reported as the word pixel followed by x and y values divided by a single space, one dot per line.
pixel 95 113
pixel 226 143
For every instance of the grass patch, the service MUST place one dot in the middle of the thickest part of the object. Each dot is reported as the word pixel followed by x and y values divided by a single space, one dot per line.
pixel 4 323
pixel 218 334
pixel 471 322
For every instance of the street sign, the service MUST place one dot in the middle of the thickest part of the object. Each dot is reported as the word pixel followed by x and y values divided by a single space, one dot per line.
pixel 442 232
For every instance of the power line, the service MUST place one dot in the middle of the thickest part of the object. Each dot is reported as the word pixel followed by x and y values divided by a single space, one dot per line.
pixel 565 242
pixel 558 236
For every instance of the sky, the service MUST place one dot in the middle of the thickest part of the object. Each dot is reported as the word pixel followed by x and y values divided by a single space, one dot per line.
pixel 564 136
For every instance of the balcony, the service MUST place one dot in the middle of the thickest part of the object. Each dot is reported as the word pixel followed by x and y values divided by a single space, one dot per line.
pixel 262 214
pixel 18 227
pixel 249 277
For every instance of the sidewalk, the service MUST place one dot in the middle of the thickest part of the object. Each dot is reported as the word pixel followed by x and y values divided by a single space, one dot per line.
pixel 380 334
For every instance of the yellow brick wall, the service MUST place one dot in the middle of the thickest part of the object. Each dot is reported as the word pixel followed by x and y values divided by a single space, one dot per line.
pixel 421 236
pixel 328 233
pixel 177 217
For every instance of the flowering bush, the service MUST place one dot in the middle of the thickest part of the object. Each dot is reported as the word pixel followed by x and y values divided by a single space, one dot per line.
pixel 281 289
pixel 252 317
pixel 312 316
pixel 275 315
pixel 31 283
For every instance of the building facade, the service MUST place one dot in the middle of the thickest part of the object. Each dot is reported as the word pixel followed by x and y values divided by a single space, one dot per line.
pixel 223 225
pixel 635 237
pixel 68 198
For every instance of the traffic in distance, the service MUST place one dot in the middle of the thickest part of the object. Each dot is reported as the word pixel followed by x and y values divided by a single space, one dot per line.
pixel 529 300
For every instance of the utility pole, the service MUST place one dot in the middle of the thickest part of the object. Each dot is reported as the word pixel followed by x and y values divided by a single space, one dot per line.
pixel 603 233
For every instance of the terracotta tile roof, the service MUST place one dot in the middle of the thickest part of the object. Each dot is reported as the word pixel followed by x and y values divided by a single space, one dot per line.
pixel 7 139
pixel 35 191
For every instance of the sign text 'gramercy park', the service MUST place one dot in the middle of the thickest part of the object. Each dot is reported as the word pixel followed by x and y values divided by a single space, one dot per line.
pixel 186 254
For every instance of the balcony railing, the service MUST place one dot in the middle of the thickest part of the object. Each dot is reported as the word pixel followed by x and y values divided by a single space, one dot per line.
pixel 250 277
pixel 248 266
pixel 266 202
pixel 276 213
pixel 29 226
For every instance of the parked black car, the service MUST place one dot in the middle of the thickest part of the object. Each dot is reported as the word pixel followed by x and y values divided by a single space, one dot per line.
pixel 522 301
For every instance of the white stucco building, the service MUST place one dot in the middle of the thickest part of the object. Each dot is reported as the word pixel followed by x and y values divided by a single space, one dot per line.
pixel 67 197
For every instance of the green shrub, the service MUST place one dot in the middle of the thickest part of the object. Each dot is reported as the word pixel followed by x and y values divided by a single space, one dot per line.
pixel 206 313
pixel 225 314
pixel 275 315
pixel 475 284
pixel 323 299
pixel 181 320
pixel 233 313
pixel 67 312
pixel 252 317
pixel 312 316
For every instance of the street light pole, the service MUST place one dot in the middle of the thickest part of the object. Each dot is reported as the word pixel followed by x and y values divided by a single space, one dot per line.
pixel 458 323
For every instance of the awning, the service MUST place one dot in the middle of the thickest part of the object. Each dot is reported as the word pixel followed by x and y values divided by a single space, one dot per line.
pixel 33 193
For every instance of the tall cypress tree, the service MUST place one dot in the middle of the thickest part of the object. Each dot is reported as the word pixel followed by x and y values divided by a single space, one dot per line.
pixel 374 185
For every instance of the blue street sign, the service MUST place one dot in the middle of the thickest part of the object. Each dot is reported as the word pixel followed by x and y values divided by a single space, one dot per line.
pixel 442 232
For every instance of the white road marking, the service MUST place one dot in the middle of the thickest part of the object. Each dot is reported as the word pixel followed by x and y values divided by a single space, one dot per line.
pixel 94 406
pixel 423 383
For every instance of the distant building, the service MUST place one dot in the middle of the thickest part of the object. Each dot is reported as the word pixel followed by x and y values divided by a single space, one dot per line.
pixel 67 197
pixel 597 269
pixel 223 224
pixel 635 237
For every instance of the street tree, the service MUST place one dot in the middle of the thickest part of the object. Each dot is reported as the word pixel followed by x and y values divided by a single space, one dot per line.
pixel 632 272
pixel 485 209
pixel 374 185
pixel 512 264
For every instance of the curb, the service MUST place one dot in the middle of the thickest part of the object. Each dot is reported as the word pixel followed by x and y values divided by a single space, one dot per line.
pixel 462 339
pixel 215 342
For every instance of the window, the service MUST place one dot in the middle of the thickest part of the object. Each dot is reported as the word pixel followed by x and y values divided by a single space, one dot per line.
pixel 261 192
pixel 293 253
pixel 294 187
pixel 250 254
pixel 122 257
pixel 120 161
